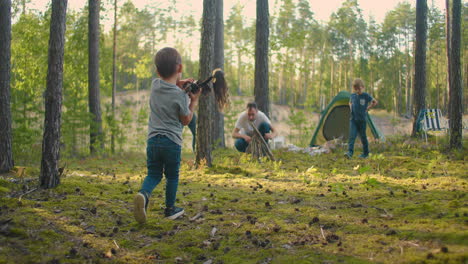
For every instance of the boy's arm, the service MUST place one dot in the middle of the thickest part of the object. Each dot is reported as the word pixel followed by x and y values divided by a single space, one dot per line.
pixel 181 83
pixel 185 119
pixel 372 104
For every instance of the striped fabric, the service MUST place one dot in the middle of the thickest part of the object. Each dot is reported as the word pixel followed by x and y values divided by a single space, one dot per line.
pixel 433 120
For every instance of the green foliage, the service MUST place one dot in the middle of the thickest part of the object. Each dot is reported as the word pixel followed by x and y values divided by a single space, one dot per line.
pixel 363 169
pixel 123 121
pixel 372 182
pixel 310 62
pixel 300 127
pixel 28 79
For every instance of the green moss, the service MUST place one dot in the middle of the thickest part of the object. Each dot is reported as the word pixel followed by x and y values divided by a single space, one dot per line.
pixel 396 207
pixel 4 190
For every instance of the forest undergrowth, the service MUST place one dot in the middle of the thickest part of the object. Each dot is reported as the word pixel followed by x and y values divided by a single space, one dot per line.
pixel 405 204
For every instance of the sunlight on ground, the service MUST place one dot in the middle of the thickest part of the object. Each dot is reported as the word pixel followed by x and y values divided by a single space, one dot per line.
pixel 405 204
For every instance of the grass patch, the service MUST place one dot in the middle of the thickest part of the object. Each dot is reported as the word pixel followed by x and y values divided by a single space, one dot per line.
pixel 401 205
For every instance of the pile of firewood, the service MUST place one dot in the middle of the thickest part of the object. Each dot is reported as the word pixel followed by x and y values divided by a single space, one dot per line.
pixel 258 147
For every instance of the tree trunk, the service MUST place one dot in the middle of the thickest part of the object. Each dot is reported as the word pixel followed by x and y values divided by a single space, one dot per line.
pixel 456 95
pixel 6 154
pixel 114 76
pixel 207 102
pixel 96 139
pixel 420 62
pixel 261 58
pixel 218 135
pixel 349 79
pixel 50 176
pixel 448 50
pixel 340 86
pixel 408 85
pixel 400 98
pixel 280 85
pixel 332 75
pixel 239 72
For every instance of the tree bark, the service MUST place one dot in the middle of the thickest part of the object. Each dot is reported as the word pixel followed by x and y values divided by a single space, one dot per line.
pixel 207 102
pixel 261 89
pixel 49 176
pixel 218 128
pixel 456 95
pixel 6 153
pixel 448 50
pixel 114 75
pixel 408 84
pixel 239 72
pixel 420 62
pixel 96 139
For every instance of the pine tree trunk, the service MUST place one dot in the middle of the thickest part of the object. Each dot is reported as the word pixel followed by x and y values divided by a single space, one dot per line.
pixel 280 85
pixel 400 98
pixel 6 154
pixel 207 102
pixel 448 50
pixel 340 86
pixel 332 75
pixel 114 75
pixel 408 85
pixel 239 72
pixel 456 95
pixel 49 176
pixel 219 63
pixel 96 139
pixel 261 58
pixel 420 62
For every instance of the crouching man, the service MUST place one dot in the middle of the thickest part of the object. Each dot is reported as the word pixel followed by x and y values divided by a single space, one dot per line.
pixel 243 131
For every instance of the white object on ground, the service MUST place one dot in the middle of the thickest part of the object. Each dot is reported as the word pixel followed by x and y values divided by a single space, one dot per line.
pixel 312 151
pixel 277 142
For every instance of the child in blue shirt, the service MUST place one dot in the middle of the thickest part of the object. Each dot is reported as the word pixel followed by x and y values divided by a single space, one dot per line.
pixel 359 103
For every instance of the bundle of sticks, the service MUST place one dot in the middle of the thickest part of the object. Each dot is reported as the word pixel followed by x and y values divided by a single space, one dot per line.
pixel 258 147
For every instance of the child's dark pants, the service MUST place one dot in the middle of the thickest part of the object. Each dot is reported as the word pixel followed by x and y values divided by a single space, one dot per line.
pixel 163 156
pixel 358 127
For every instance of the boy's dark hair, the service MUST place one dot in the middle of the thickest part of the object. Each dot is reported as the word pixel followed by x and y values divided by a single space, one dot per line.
pixel 166 61
pixel 252 105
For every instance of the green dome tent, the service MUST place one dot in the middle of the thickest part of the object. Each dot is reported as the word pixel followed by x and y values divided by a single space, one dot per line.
pixel 334 121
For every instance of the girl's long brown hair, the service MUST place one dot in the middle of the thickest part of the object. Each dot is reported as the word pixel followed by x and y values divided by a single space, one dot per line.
pixel 220 89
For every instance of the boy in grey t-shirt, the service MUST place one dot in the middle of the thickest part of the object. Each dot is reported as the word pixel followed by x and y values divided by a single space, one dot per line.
pixel 170 111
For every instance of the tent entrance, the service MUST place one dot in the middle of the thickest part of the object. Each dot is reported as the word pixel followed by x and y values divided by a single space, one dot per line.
pixel 337 123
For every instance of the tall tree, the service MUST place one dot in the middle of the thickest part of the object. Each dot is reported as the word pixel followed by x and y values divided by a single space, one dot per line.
pixel 420 62
pixel 236 44
pixel 207 102
pixel 6 154
pixel 218 128
pixel 456 96
pixel 447 48
pixel 96 138
pixel 49 176
pixel 261 57
pixel 348 32
pixel 114 75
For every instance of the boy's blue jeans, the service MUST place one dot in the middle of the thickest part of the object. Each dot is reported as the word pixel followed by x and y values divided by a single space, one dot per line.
pixel 358 127
pixel 163 155
pixel 241 144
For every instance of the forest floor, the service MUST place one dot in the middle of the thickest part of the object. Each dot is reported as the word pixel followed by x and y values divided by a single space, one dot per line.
pixel 407 203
